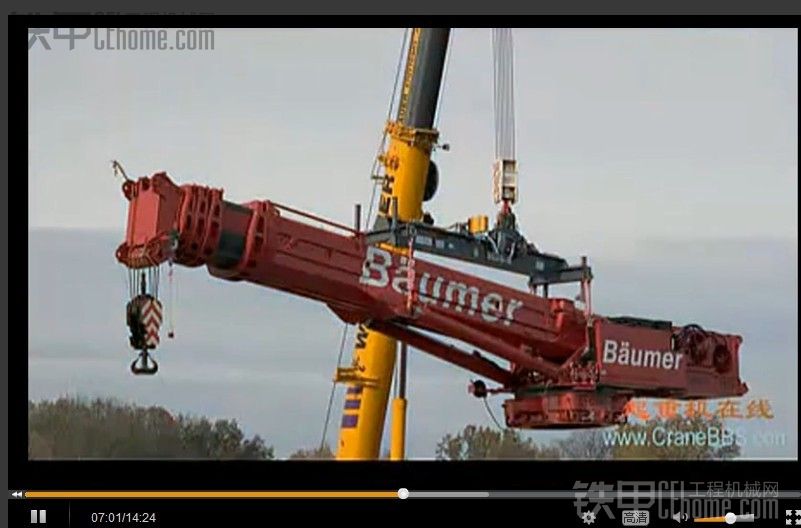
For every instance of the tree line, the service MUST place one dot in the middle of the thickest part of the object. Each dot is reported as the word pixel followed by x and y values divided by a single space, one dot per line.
pixel 104 428
pixel 74 428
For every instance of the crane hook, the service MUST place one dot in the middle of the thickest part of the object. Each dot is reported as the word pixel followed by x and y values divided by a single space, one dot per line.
pixel 144 364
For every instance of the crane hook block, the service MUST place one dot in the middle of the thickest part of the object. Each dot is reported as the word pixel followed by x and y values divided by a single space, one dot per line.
pixel 144 315
pixel 504 181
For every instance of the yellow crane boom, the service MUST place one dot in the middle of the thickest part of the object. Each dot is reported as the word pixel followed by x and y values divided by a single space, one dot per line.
pixel 408 168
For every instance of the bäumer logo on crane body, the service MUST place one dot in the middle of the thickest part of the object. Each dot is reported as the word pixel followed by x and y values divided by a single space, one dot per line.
pixel 621 353
pixel 459 296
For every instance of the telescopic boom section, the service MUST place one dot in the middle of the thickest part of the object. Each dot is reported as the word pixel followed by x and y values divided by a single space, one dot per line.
pixel 559 373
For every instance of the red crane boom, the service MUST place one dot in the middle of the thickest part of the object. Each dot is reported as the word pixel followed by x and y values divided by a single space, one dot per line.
pixel 564 367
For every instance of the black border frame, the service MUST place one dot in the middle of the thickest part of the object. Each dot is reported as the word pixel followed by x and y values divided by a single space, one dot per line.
pixel 284 475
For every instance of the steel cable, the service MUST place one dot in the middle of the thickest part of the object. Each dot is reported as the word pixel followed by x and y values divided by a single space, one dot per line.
pixel 503 93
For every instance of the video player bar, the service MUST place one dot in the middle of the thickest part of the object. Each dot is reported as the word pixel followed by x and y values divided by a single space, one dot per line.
pixel 401 493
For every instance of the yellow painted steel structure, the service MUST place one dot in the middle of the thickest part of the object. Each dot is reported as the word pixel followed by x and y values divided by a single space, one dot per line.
pixel 478 224
pixel 406 161
pixel 397 449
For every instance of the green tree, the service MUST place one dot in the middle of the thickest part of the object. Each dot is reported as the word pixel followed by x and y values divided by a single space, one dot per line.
pixel 478 442
pixel 319 453
pixel 586 445
pixel 105 428
pixel 694 439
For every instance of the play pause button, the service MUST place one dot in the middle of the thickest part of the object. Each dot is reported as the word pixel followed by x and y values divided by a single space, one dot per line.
pixel 38 516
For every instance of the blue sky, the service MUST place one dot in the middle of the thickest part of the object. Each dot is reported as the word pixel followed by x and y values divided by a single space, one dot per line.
pixel 668 156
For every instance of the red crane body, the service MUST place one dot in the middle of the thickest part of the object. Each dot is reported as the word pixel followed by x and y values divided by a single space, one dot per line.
pixel 565 368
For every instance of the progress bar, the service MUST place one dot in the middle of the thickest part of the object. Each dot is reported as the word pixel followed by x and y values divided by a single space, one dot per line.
pixel 211 494
pixel 402 493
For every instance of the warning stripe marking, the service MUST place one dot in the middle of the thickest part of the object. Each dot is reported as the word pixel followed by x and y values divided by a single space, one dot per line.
pixel 151 318
pixel 152 338
pixel 152 308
